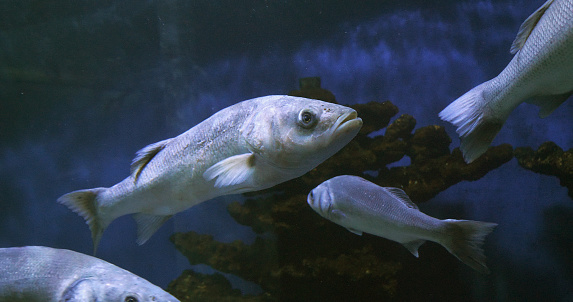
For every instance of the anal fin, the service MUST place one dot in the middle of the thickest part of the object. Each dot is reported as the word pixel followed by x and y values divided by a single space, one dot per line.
pixel 547 104
pixel 147 225
pixel 413 246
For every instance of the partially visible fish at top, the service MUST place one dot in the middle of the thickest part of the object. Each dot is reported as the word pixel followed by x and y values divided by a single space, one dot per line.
pixel 249 146
pixel 43 274
pixel 362 206
pixel 541 72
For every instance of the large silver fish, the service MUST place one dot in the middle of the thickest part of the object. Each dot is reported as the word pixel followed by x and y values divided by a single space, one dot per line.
pixel 541 72
pixel 37 273
pixel 362 206
pixel 249 146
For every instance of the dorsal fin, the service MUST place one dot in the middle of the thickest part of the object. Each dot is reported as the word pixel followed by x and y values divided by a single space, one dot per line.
pixel 527 27
pixel 402 196
pixel 144 156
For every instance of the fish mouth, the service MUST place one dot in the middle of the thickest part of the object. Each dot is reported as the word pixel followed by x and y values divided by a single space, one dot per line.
pixel 347 123
pixel 316 201
pixel 310 198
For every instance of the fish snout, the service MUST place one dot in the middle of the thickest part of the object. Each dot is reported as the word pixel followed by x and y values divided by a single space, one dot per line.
pixel 344 129
pixel 348 122
pixel 319 200
pixel 310 199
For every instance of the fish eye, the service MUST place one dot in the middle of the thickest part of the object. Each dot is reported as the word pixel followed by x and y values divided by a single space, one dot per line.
pixel 130 299
pixel 307 118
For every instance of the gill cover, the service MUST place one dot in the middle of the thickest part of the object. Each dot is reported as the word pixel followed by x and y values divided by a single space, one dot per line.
pixel 79 291
pixel 284 135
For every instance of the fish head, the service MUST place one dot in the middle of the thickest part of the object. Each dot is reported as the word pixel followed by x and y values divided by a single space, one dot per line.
pixel 296 134
pixel 320 200
pixel 333 201
pixel 327 203
pixel 113 286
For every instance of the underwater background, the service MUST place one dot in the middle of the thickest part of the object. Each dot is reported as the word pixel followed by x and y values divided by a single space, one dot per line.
pixel 85 84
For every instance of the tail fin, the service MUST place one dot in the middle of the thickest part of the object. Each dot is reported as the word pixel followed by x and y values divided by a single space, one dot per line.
pixel 475 124
pixel 465 240
pixel 84 203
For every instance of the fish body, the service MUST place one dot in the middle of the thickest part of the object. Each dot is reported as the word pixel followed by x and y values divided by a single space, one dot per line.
pixel 249 146
pixel 362 206
pixel 539 73
pixel 36 273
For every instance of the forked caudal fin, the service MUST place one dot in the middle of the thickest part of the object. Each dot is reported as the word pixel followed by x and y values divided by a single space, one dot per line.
pixel 84 203
pixel 465 240
pixel 475 125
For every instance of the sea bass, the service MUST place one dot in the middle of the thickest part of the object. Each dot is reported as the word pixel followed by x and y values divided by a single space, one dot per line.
pixel 37 273
pixel 249 146
pixel 362 206
pixel 541 72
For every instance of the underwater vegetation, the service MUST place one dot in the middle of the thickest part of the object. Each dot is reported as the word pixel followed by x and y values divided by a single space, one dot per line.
pixel 549 159
pixel 300 256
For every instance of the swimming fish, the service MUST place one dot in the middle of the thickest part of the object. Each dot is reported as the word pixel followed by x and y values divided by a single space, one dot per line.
pixel 362 206
pixel 539 73
pixel 37 273
pixel 249 146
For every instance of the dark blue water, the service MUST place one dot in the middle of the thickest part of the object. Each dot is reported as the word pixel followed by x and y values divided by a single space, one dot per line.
pixel 83 86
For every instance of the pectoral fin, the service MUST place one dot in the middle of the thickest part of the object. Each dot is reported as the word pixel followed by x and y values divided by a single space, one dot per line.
pixel 336 215
pixel 147 225
pixel 231 171
pixel 527 27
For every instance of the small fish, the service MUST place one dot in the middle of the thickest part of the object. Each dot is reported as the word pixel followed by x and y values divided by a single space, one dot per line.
pixel 362 206
pixel 249 146
pixel 37 273
pixel 540 73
